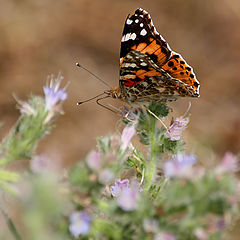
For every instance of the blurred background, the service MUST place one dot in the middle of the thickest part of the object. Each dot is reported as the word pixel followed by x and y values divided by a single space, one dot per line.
pixel 38 38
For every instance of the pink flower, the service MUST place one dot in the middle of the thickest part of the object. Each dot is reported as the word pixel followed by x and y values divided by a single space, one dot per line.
pixel 228 164
pixel 94 160
pixel 128 198
pixel 174 132
pixel 128 133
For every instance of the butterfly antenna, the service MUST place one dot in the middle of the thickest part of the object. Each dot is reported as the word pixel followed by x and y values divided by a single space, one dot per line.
pixel 79 65
pixel 79 103
pixel 97 101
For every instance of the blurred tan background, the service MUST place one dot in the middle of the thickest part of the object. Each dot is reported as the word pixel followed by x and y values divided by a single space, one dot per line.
pixel 43 37
pixel 38 38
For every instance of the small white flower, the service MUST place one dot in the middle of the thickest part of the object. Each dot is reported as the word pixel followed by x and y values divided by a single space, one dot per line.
pixel 26 108
pixel 164 236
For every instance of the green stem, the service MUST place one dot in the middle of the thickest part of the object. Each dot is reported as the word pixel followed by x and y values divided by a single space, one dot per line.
pixel 151 167
pixel 11 226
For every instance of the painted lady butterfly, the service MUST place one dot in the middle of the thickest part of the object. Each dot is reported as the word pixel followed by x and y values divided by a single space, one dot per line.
pixel 149 70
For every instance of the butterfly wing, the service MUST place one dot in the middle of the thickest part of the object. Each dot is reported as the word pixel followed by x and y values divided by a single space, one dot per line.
pixel 141 80
pixel 147 61
pixel 140 34
pixel 177 67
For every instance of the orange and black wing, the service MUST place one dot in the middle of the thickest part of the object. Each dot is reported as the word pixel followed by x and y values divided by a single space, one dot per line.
pixel 141 80
pixel 177 67
pixel 140 34
pixel 149 69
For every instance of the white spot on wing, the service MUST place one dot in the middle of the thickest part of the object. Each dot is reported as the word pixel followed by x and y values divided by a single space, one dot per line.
pixel 143 32
pixel 133 36
pixel 129 21
pixel 143 64
pixel 137 20
pixel 141 24
pixel 133 65
pixel 127 37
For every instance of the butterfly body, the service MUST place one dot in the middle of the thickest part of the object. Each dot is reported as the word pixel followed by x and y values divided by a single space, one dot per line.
pixel 149 70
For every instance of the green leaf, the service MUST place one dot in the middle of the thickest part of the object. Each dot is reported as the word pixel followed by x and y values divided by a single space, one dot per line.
pixel 9 176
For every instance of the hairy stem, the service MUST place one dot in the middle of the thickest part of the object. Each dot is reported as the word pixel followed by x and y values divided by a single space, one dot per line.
pixel 151 167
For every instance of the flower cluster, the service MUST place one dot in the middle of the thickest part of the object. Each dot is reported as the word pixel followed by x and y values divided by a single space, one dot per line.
pixel 119 191
pixel 127 195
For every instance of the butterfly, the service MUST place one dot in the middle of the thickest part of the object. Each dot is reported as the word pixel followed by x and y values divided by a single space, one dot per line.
pixel 149 70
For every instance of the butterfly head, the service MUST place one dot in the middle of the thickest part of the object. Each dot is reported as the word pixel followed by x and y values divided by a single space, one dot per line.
pixel 114 93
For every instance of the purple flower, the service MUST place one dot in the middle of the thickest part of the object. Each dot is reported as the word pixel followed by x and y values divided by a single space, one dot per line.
pixel 128 114
pixel 127 135
pixel 179 166
pixel 174 132
pixel 221 224
pixel 128 198
pixel 164 236
pixel 228 164
pixel 119 186
pixel 79 223
pixel 54 94
pixel 94 160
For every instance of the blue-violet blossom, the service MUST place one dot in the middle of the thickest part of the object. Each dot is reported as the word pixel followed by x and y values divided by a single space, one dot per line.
pixel 119 186
pixel 54 94
pixel 127 195
pixel 179 166
pixel 79 223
